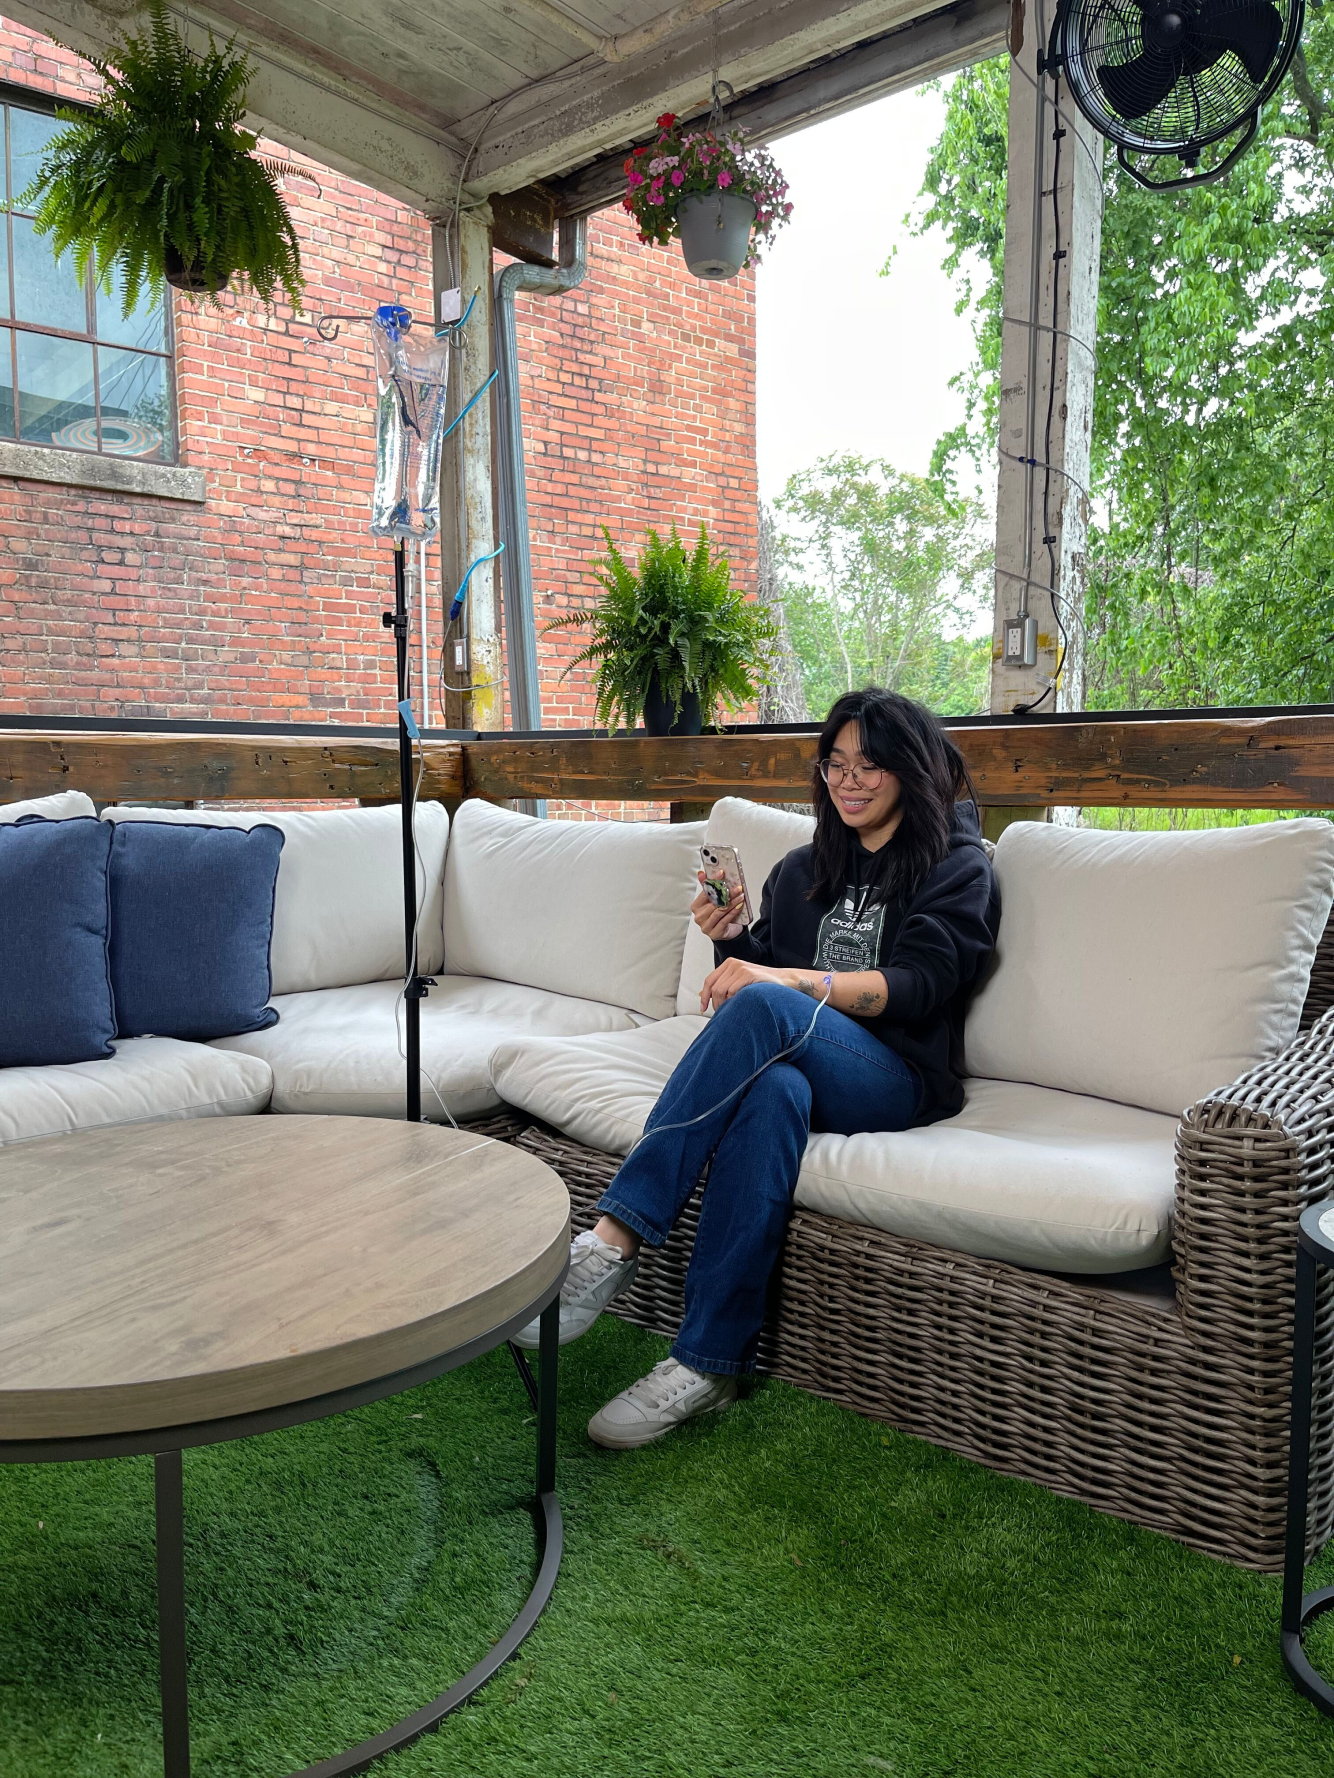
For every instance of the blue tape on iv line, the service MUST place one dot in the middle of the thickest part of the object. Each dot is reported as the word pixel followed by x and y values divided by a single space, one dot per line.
pixel 409 720
pixel 462 593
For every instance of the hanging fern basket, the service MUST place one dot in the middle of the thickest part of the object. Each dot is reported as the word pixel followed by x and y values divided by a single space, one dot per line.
pixel 182 277
pixel 160 180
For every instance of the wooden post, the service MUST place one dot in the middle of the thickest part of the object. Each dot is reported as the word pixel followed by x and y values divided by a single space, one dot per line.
pixel 1053 247
pixel 446 698
pixel 467 511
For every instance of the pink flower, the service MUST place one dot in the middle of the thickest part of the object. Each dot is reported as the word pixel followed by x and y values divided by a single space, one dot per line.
pixel 635 179
pixel 678 177
pixel 724 178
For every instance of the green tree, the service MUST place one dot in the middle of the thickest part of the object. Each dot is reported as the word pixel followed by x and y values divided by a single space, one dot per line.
pixel 1212 547
pixel 884 575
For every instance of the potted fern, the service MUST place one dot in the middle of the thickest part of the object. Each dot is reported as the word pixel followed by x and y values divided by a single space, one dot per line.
pixel 160 178
pixel 672 638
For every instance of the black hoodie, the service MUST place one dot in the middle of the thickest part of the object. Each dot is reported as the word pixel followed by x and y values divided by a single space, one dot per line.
pixel 932 952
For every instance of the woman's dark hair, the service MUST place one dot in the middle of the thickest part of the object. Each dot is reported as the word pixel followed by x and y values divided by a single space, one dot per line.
pixel 905 739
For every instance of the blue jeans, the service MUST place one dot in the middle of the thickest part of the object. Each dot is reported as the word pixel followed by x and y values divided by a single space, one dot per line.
pixel 841 1079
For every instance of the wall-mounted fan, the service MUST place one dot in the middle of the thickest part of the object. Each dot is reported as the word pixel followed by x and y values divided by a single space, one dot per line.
pixel 1174 76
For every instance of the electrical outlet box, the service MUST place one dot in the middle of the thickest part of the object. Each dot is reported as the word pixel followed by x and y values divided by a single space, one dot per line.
pixel 451 306
pixel 1019 644
pixel 460 654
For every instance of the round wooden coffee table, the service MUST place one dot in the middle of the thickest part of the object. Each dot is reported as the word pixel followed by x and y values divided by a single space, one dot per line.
pixel 170 1285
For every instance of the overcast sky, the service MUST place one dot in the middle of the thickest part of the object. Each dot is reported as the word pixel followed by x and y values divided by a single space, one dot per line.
pixel 848 360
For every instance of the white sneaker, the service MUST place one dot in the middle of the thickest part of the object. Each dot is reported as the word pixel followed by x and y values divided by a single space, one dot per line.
pixel 597 1275
pixel 649 1409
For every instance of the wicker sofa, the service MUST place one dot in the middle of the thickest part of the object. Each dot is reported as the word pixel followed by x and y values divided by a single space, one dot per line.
pixel 1128 1344
pixel 1159 1391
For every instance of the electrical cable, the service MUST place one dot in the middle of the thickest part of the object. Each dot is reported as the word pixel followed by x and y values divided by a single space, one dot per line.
pixel 782 1056
pixel 1048 536
pixel 1055 468
pixel 400 999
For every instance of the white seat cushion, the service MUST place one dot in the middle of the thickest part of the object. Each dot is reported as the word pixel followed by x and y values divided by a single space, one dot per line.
pixel 1149 968
pixel 148 1080
pixel 598 1090
pixel 63 805
pixel 337 1050
pixel 1024 1174
pixel 761 836
pixel 597 909
pixel 338 907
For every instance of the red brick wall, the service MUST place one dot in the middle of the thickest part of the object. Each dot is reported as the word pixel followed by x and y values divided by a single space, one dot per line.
pixel 639 409
pixel 265 600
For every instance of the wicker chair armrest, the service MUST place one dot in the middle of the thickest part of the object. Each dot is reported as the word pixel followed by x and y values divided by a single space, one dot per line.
pixel 1249 1159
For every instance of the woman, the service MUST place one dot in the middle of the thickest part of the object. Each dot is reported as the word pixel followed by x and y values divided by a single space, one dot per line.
pixel 840 1009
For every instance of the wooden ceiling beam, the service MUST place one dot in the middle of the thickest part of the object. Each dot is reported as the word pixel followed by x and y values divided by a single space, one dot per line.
pixel 969 31
pixel 605 105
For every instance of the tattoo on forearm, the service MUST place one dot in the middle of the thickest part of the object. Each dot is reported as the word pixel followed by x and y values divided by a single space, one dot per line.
pixel 807 986
pixel 869 1000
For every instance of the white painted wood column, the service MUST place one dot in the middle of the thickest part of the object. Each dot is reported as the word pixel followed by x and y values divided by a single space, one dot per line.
pixel 1032 377
pixel 467 501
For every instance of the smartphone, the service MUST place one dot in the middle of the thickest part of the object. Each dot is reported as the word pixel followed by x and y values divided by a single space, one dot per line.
pixel 723 874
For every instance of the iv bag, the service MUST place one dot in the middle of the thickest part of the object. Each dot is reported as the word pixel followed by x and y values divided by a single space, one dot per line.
pixel 412 380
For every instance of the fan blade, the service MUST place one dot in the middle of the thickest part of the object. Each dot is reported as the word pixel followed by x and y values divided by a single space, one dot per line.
pixel 1253 32
pixel 1134 88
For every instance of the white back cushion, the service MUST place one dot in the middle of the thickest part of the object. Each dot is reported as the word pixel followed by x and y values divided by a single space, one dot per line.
pixel 597 909
pixel 1150 968
pixel 59 807
pixel 761 836
pixel 338 908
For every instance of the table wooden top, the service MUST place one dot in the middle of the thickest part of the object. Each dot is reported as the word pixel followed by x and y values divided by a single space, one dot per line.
pixel 160 1274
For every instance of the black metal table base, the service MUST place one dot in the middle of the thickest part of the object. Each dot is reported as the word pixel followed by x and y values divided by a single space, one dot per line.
pixel 170 1508
pixel 1300 1610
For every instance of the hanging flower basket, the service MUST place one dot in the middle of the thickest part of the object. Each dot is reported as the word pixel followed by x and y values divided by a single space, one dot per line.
pixel 725 201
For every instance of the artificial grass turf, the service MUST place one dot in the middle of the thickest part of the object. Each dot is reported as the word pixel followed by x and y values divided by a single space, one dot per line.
pixel 781 1589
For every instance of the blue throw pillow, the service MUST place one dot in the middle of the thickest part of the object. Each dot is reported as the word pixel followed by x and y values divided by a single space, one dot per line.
pixel 191 924
pixel 55 989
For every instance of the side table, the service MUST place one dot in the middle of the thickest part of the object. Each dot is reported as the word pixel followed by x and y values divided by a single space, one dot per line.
pixel 1315 1248
pixel 166 1286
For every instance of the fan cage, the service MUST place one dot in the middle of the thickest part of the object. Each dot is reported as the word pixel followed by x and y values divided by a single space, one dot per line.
pixel 1199 110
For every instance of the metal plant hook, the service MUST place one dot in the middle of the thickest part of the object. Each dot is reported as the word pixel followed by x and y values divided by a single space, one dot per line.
pixel 716 117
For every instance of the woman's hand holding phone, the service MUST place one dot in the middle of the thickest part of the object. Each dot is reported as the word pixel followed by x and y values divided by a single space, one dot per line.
pixel 712 920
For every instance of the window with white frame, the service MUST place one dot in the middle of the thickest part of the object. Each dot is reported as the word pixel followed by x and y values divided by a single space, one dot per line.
pixel 74 372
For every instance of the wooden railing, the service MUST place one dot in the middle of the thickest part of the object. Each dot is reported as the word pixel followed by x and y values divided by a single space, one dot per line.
pixel 1234 762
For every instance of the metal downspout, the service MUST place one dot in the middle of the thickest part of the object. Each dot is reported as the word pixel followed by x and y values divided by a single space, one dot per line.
pixel 516 563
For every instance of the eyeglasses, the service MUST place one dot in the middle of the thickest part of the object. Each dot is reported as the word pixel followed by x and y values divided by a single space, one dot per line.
pixel 833 771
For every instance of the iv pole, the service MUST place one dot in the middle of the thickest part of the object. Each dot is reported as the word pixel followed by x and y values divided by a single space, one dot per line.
pixel 415 985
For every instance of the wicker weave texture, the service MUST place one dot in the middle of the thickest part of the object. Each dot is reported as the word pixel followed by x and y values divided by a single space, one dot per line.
pixel 1320 989
pixel 1172 1416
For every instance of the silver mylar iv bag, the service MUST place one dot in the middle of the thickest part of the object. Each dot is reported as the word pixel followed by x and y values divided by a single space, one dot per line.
pixel 412 382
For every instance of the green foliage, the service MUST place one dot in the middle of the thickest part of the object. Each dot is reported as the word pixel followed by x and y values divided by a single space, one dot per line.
pixel 161 165
pixel 1211 552
pixel 884 574
pixel 676 616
